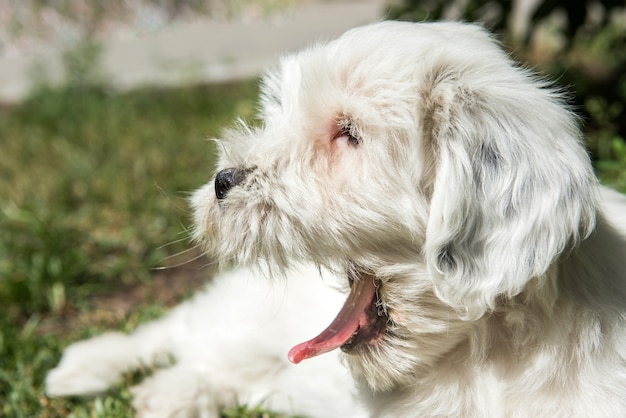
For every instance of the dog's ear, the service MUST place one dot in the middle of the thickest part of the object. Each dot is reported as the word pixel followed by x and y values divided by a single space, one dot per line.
pixel 512 186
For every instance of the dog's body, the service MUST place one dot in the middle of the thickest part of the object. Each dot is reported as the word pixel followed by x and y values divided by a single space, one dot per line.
pixel 229 345
pixel 451 191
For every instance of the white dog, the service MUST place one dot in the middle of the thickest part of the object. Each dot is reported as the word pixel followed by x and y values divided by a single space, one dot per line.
pixel 448 190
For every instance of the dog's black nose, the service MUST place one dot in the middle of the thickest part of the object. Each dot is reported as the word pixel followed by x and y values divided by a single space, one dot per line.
pixel 227 179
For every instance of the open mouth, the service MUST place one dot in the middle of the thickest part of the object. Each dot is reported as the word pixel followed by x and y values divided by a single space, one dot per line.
pixel 362 319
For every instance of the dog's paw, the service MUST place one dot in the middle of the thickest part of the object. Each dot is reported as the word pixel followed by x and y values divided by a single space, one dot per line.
pixel 92 366
pixel 172 393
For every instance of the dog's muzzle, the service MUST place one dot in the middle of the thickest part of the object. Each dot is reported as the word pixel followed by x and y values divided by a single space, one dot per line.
pixel 227 179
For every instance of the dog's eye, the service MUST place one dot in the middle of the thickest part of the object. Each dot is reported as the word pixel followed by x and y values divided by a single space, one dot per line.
pixel 352 140
pixel 349 138
pixel 347 132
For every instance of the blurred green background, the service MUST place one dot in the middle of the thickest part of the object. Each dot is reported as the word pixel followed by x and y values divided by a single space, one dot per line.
pixel 94 182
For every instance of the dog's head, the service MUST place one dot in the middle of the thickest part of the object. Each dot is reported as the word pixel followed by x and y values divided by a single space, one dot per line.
pixel 420 158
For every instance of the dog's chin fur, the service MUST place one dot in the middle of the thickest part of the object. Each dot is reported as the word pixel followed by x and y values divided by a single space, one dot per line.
pixel 422 155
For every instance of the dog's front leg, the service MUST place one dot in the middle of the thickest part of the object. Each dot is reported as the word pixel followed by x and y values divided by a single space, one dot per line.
pixel 91 366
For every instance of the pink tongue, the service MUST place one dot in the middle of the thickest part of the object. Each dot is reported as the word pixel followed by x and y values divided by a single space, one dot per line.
pixel 351 317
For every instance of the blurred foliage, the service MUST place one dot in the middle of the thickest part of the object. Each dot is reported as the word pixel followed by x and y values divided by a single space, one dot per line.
pixel 581 44
pixel 577 12
pixel 497 14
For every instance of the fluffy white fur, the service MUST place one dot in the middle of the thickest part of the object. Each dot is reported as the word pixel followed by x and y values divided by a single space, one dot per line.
pixel 421 154
pixel 229 345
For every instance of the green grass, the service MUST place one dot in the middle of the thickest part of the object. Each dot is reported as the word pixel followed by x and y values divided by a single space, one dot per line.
pixel 92 183
pixel 93 189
